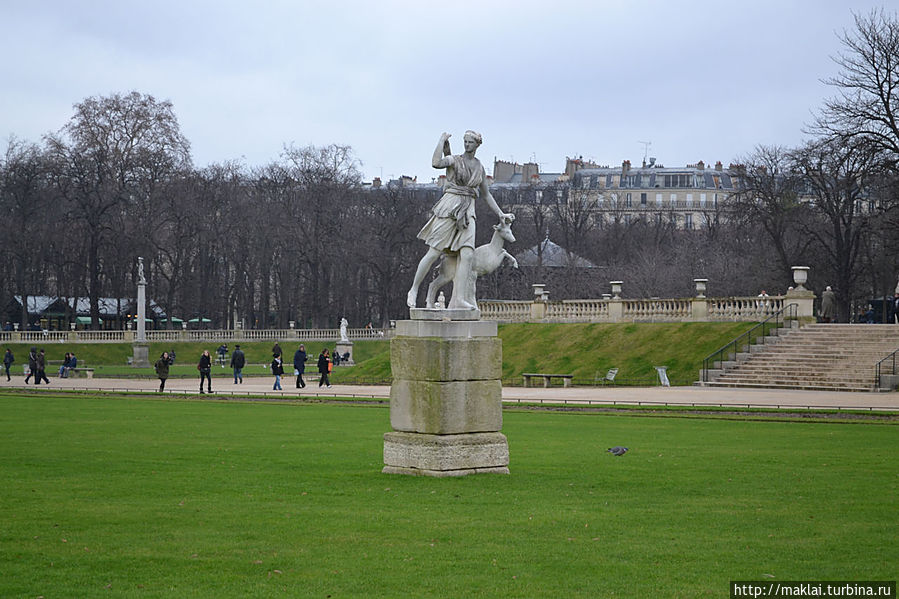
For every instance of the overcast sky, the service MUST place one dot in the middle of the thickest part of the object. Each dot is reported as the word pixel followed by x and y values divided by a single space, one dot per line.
pixel 541 80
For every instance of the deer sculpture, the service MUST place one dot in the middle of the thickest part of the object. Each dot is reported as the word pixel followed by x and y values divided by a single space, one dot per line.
pixel 487 258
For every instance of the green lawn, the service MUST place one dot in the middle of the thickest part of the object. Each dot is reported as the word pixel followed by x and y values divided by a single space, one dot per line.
pixel 158 498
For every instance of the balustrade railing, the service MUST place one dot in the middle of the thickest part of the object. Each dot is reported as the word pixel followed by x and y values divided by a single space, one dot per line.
pixel 700 309
pixel 658 310
pixel 736 309
pixel 505 310
pixel 577 311
pixel 744 308
pixel 204 335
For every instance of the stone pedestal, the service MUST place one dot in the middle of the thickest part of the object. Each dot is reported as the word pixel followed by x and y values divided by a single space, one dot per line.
pixel 446 399
pixel 141 355
pixel 345 347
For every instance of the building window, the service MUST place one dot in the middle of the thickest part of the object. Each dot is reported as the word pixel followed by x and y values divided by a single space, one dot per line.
pixel 688 220
pixel 642 199
pixel 678 180
pixel 539 196
pixel 627 200
pixel 658 199
pixel 702 200
pixel 689 200
pixel 673 199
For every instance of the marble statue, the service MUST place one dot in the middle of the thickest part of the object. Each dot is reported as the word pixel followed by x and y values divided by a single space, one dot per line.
pixel 451 229
pixel 343 335
pixel 140 271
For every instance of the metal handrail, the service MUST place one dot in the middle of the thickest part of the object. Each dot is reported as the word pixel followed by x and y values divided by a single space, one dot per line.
pixel 775 321
pixel 877 368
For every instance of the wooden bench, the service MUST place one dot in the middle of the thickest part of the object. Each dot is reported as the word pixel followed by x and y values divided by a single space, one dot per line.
pixel 547 378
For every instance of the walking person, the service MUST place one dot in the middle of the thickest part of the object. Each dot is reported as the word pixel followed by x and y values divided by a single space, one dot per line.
pixel 324 368
pixel 205 368
pixel 8 359
pixel 277 370
pixel 32 364
pixel 238 361
pixel 162 369
pixel 299 365
pixel 41 368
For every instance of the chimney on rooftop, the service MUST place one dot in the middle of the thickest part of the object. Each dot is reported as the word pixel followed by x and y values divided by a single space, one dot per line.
pixel 625 168
pixel 719 166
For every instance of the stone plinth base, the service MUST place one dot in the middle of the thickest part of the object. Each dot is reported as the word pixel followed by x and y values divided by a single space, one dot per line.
pixel 446 398
pixel 141 355
pixel 345 347
pixel 445 455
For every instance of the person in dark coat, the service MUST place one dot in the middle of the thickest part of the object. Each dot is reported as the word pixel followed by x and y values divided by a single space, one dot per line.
pixel 238 361
pixel 299 365
pixel 8 359
pixel 162 369
pixel 828 305
pixel 324 367
pixel 276 349
pixel 66 363
pixel 205 368
pixel 32 364
pixel 41 368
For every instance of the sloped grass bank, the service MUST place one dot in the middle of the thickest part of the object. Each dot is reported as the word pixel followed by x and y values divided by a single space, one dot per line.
pixel 154 498
pixel 587 351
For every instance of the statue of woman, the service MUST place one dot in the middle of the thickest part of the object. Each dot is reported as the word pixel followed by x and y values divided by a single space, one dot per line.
pixel 451 227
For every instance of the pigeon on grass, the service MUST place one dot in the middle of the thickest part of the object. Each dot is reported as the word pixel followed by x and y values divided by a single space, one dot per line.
pixel 617 450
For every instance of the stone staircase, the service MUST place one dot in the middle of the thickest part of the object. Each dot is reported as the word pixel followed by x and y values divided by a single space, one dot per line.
pixel 832 357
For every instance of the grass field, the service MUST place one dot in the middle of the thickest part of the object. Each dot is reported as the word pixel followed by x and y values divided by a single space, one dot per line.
pixel 157 498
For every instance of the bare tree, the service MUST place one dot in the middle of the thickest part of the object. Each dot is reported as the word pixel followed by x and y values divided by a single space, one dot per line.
pixel 114 149
pixel 837 176
pixel 26 202
pixel 768 196
pixel 866 108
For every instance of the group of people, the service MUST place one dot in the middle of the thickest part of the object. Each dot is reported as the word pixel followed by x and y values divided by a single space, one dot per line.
pixel 68 364
pixel 325 365
pixel 37 365
pixel 238 362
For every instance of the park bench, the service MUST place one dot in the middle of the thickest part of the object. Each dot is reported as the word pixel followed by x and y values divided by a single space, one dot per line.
pixel 82 372
pixel 547 378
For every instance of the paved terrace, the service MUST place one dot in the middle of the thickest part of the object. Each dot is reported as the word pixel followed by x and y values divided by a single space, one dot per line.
pixel 224 387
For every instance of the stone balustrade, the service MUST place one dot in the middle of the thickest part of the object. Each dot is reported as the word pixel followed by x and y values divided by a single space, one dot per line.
pixel 199 336
pixel 613 308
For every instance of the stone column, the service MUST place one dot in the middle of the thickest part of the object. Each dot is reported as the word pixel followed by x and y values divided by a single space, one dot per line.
pixel 140 347
pixel 616 306
pixel 446 398
pixel 699 310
